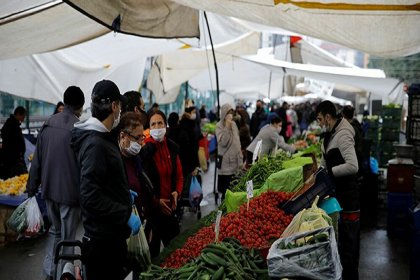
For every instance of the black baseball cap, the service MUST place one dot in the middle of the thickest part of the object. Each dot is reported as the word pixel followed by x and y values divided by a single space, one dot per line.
pixel 105 92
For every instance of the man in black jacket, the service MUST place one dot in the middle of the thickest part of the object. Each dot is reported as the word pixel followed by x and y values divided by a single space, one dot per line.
pixel 14 144
pixel 104 193
pixel 54 166
pixel 257 118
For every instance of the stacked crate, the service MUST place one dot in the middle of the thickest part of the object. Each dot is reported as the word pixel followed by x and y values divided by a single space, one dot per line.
pixel 372 133
pixel 413 133
pixel 390 133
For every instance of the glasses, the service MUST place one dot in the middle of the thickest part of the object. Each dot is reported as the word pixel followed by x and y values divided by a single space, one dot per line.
pixel 137 138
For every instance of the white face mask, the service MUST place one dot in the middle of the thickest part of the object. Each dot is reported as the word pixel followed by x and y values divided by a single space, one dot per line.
pixel 133 149
pixel 193 116
pixel 116 120
pixel 158 134
pixel 278 129
pixel 324 129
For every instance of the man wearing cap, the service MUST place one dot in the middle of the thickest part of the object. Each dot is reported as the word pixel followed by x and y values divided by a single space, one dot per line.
pixel 54 168
pixel 105 197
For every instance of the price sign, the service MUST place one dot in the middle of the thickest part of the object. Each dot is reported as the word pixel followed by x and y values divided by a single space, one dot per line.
pixel 257 151
pixel 217 226
pixel 249 189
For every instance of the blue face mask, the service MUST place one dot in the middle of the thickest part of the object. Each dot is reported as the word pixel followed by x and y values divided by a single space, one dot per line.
pixel 133 149
pixel 158 134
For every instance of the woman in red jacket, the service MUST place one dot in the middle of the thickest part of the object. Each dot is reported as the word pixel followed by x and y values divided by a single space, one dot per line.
pixel 161 162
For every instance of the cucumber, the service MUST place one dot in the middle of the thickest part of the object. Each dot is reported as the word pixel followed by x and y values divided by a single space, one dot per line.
pixel 214 258
pixel 218 275
pixel 207 260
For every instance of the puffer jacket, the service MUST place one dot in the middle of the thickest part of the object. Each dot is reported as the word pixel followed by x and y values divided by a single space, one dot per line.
pixel 228 144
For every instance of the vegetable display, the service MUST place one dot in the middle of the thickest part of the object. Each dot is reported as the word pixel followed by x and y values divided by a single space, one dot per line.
pixel 14 186
pixel 224 260
pixel 255 226
pixel 260 171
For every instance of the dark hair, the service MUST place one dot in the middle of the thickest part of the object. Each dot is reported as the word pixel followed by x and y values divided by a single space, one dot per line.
pixel 132 101
pixel 158 112
pixel 173 119
pixel 348 112
pixel 155 105
pixel 276 119
pixel 101 111
pixel 59 104
pixel 129 121
pixel 327 107
pixel 19 111
pixel 74 97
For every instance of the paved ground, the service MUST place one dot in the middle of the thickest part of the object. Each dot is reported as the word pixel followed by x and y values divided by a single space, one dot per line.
pixel 381 258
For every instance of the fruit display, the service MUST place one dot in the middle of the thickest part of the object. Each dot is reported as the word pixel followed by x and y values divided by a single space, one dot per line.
pixel 301 144
pixel 14 186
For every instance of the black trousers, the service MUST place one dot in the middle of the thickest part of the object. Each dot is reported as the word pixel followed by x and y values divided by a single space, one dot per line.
pixel 105 259
pixel 163 229
pixel 223 183
pixel 347 194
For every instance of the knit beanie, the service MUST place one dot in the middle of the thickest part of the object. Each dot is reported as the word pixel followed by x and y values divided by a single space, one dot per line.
pixel 73 96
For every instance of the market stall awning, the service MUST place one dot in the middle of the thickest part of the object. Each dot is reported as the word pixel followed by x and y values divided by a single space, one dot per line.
pixel 388 28
pixel 37 26
pixel 372 80
pixel 119 57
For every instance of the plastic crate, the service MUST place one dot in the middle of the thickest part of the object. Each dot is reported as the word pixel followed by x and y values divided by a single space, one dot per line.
pixel 391 112
pixel 400 201
pixel 304 198
pixel 414 100
pixel 390 135
pixel 400 179
pixel 415 256
pixel 413 130
pixel 391 123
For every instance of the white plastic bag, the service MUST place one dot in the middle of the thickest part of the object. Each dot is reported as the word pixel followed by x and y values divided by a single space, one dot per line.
pixel 316 258
pixel 138 249
pixel 34 220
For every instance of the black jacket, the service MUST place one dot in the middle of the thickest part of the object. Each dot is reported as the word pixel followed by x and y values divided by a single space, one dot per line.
pixel 13 142
pixel 188 146
pixel 257 117
pixel 104 194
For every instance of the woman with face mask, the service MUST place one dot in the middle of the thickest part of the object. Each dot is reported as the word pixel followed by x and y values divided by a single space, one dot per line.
pixel 271 139
pixel 228 149
pixel 162 164
pixel 130 140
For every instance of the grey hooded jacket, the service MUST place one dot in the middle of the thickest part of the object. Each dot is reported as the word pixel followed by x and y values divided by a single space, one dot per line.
pixel 228 144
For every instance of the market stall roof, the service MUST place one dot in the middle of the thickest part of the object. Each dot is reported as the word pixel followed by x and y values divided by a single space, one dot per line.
pixel 36 26
pixel 119 57
pixel 379 27
pixel 372 80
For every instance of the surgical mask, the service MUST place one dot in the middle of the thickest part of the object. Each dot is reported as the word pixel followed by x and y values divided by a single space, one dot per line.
pixel 278 129
pixel 133 149
pixel 116 120
pixel 193 116
pixel 158 134
pixel 324 129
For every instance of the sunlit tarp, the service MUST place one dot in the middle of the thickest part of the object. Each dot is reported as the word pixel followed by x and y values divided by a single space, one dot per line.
pixel 171 70
pixel 120 58
pixel 378 27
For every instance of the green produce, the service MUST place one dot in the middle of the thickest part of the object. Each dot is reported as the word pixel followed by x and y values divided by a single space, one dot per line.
pixel 217 261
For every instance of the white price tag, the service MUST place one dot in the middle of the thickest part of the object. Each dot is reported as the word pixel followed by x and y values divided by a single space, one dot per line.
pixel 257 151
pixel 249 189
pixel 217 226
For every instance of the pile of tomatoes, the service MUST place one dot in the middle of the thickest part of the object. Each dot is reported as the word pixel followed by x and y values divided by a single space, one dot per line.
pixel 255 226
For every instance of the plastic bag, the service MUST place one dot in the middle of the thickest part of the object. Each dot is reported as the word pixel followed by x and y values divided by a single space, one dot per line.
pixel 34 219
pixel 17 221
pixel 138 249
pixel 196 193
pixel 307 220
pixel 317 258
pixel 27 218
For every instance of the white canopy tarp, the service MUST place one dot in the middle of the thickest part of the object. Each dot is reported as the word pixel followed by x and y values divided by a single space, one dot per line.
pixel 378 27
pixel 171 70
pixel 372 80
pixel 37 26
pixel 120 58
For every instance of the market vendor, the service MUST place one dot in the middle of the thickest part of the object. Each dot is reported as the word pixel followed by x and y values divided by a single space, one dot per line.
pixel 271 138
pixel 339 158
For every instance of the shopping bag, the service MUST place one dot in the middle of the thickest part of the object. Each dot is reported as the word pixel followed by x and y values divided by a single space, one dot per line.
pixel 138 249
pixel 34 219
pixel 17 221
pixel 196 193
